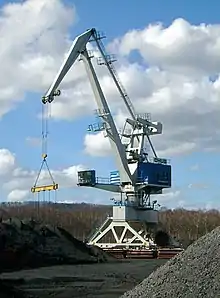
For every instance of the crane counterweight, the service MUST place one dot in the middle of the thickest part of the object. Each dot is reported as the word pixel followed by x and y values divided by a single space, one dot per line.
pixel 138 174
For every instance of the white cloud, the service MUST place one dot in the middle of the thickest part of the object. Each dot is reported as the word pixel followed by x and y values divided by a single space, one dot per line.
pixel 21 178
pixel 174 85
pixel 97 145
pixel 7 162
pixel 199 186
pixel 16 182
pixel 180 47
pixel 195 168
pixel 30 54
pixel 30 57
pixel 35 142
pixel 73 103
pixel 168 196
pixel 17 195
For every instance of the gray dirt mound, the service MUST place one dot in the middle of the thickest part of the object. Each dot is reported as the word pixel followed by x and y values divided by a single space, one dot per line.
pixel 8 290
pixel 194 273
pixel 27 244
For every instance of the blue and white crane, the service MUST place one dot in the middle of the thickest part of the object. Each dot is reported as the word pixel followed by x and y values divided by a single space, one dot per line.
pixel 138 175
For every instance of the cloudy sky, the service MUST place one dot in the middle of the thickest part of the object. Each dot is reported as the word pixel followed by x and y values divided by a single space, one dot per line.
pixel 169 62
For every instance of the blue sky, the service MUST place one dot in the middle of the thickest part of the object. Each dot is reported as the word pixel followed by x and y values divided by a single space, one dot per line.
pixel 66 139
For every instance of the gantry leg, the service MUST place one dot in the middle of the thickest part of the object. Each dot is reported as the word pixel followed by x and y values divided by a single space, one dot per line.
pixel 109 231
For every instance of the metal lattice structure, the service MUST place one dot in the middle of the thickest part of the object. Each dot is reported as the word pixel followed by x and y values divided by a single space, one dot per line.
pixel 138 175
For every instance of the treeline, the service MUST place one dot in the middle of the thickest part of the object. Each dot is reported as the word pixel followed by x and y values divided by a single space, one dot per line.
pixel 81 219
pixel 189 225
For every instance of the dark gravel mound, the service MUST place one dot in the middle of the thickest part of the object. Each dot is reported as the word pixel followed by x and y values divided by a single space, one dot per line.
pixel 27 244
pixel 194 273
pixel 8 290
pixel 162 239
pixel 98 253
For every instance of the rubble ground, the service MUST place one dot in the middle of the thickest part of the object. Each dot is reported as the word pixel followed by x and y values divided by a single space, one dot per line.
pixel 29 244
pixel 109 280
pixel 194 273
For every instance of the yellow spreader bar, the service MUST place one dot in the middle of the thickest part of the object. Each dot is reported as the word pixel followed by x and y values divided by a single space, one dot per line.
pixel 44 188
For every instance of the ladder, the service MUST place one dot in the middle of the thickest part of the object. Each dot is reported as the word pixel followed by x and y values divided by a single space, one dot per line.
pixel 108 61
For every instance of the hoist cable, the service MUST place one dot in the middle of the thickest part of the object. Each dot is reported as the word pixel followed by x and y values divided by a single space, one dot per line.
pixel 55 197
pixel 44 132
pixel 38 203
pixel 51 177
pixel 44 128
pixel 45 116
pixel 42 164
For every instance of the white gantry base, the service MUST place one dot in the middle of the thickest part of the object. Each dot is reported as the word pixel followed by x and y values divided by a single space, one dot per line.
pixel 120 234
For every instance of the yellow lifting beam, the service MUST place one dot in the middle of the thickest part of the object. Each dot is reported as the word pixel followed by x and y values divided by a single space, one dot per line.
pixel 44 188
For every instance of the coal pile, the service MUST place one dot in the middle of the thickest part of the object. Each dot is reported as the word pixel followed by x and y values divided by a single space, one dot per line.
pixel 9 290
pixel 28 244
pixel 194 273
pixel 162 239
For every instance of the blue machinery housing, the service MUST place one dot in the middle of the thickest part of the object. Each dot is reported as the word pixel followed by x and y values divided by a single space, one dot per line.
pixel 154 175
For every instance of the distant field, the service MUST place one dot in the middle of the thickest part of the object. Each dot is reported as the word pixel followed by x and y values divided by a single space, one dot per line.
pixel 108 280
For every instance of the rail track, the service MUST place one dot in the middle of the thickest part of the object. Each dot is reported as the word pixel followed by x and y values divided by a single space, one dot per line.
pixel 163 253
